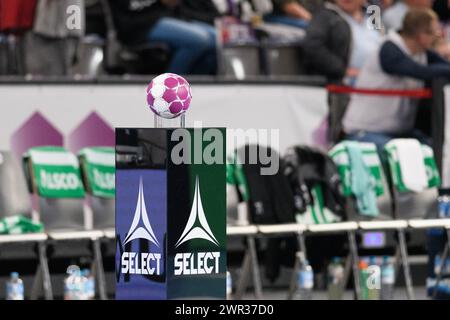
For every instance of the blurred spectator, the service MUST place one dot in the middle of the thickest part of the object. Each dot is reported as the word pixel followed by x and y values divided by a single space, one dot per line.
pixel 442 8
pixel 54 46
pixel 141 21
pixel 383 4
pixel 393 16
pixel 365 40
pixel 199 10
pixel 338 40
pixel 403 61
pixel 203 14
pixel 17 15
pixel 443 48
pixel 289 12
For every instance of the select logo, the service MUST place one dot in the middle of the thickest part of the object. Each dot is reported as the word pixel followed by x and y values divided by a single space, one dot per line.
pixel 146 263
pixel 197 227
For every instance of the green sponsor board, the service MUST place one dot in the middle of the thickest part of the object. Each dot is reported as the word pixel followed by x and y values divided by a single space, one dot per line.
pixel 196 215
pixel 432 172
pixel 341 159
pixel 99 170
pixel 56 172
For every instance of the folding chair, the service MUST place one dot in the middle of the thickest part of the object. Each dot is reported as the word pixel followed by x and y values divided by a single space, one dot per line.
pixel 15 200
pixel 436 223
pixel 312 174
pixel 62 209
pixel 384 219
pixel 408 204
pixel 98 173
pixel 413 205
pixel 250 263
pixel 238 51
pixel 238 227
pixel 282 58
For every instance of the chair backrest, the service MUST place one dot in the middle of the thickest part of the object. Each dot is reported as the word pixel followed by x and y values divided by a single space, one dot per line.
pixel 282 60
pixel 240 61
pixel 98 173
pixel 340 156
pixel 409 204
pixel 14 195
pixel 90 60
pixel 270 199
pixel 55 178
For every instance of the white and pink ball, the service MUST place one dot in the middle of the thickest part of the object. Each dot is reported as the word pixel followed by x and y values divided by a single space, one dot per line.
pixel 169 95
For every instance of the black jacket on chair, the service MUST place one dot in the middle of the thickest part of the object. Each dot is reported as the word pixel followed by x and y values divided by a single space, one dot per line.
pixel 271 202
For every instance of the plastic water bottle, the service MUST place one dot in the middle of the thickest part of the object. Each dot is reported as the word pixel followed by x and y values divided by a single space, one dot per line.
pixel 387 279
pixel 437 265
pixel 229 286
pixel 14 287
pixel 305 282
pixel 335 279
pixel 374 279
pixel 444 206
pixel 89 284
pixel 74 284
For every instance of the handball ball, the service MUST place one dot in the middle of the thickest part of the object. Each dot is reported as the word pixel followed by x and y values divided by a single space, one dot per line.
pixel 169 95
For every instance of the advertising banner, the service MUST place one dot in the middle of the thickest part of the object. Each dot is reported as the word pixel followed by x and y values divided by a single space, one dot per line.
pixel 170 213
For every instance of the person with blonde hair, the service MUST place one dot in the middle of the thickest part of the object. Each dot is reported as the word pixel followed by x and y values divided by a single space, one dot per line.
pixel 405 60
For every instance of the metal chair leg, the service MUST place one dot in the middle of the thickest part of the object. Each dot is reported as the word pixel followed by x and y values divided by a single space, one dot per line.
pixel 255 268
pixel 243 279
pixel 37 283
pixel 405 263
pixel 46 281
pixel 347 270
pixel 355 260
pixel 100 272
pixel 441 270
pixel 293 281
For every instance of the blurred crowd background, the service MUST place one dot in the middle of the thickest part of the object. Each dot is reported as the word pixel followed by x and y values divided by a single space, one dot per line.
pixel 206 37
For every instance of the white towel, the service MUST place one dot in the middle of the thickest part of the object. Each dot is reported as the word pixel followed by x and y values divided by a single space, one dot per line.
pixel 412 165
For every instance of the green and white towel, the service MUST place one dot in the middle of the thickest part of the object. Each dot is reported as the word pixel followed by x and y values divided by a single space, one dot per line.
pixel 341 159
pixel 56 172
pixel 398 177
pixel 361 173
pixel 100 170
pixel 19 225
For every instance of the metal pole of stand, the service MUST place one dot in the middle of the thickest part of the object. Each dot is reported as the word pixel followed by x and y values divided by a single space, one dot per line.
pixel 355 260
pixel 100 270
pixel 157 121
pixel 405 263
pixel 183 121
